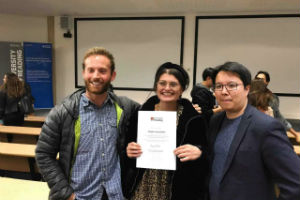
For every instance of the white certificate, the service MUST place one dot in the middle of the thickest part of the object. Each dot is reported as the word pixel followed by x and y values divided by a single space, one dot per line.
pixel 157 137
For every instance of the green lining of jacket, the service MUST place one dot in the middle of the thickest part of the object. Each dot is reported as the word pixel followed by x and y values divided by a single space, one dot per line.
pixel 119 113
pixel 77 137
pixel 76 143
pixel 77 132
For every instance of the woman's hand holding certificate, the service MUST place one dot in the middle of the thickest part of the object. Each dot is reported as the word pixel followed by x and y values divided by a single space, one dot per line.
pixel 133 150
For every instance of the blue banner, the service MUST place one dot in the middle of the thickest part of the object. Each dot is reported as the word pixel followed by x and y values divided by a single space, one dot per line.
pixel 38 72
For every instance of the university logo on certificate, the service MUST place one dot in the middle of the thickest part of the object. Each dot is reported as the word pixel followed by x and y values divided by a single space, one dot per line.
pixel 157 137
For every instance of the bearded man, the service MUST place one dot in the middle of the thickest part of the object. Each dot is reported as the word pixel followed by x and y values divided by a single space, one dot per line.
pixel 87 130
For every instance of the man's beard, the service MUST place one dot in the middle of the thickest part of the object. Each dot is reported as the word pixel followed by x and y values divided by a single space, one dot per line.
pixel 97 91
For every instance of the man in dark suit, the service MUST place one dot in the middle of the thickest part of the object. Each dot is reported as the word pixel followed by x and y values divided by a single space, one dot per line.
pixel 250 151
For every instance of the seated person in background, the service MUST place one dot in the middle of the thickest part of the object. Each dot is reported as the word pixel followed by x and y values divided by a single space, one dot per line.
pixel 188 181
pixel 203 96
pixel 263 75
pixel 10 94
pixel 260 96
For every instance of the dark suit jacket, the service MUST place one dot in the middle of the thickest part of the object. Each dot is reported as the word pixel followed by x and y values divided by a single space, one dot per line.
pixel 260 156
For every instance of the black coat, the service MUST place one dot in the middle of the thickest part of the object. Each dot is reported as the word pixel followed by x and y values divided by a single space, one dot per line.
pixel 9 110
pixel 188 181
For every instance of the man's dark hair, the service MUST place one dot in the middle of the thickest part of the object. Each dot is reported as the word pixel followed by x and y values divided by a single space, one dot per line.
pixel 236 68
pixel 267 75
pixel 208 72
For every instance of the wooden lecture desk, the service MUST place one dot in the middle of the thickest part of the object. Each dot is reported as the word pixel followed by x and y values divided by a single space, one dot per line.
pixel 34 121
pixel 13 156
pixel 292 138
pixel 10 131
pixel 290 135
pixel 16 189
pixel 297 149
pixel 12 149
pixel 20 130
pixel 33 118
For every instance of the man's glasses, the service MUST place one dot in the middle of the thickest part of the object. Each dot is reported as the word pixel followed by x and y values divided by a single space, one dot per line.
pixel 228 86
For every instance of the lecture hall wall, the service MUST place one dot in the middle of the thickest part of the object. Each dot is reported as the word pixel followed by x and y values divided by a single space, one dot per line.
pixel 34 29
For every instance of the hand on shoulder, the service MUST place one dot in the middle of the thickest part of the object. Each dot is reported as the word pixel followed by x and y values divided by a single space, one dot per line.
pixel 197 108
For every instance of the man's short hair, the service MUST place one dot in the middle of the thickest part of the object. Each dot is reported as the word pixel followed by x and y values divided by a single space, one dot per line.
pixel 236 68
pixel 208 72
pixel 267 75
pixel 100 51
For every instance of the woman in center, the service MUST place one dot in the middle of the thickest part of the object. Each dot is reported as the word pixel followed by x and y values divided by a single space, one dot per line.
pixel 188 181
